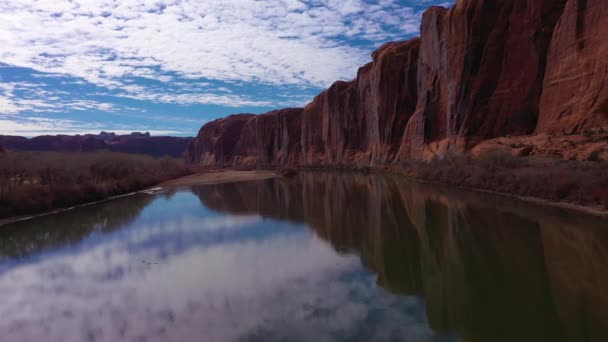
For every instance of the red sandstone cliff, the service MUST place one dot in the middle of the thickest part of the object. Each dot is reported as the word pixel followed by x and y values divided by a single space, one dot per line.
pixel 362 121
pixel 575 90
pixel 249 140
pixel 483 69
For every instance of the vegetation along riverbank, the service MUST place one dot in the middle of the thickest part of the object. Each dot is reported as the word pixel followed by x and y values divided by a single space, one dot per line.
pixel 33 182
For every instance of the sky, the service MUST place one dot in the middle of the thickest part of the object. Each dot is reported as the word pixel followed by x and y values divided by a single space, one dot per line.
pixel 169 66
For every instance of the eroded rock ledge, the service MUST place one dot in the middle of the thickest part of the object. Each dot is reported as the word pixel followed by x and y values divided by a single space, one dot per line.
pixel 480 71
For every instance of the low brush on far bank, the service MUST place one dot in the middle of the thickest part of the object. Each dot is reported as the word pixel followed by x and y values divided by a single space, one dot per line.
pixel 34 182
pixel 578 183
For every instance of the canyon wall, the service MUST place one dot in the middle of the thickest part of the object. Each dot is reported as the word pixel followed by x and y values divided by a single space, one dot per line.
pixel 249 140
pixel 483 69
pixel 575 89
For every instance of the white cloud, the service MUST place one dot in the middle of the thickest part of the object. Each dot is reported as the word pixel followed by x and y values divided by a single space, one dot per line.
pixel 274 41
pixel 200 98
pixel 7 105
pixel 34 126
pixel 34 98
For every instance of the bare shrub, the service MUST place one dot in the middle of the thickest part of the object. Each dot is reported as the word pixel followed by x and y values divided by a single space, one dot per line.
pixel 584 183
pixel 36 181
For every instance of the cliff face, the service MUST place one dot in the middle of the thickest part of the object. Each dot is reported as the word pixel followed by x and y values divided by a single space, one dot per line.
pixel 214 144
pixel 362 121
pixel 249 140
pixel 575 91
pixel 483 69
pixel 270 139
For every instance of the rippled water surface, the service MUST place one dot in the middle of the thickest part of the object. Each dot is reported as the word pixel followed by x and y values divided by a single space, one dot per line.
pixel 322 257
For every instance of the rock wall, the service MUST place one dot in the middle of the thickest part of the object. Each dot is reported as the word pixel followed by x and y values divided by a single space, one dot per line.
pixel 270 139
pixel 215 142
pixel 483 69
pixel 362 121
pixel 249 140
pixel 575 91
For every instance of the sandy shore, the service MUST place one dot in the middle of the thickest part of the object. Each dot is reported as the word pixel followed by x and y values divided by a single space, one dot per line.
pixel 218 177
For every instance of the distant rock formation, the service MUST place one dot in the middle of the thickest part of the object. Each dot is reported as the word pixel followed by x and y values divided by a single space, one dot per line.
pixel 138 143
pixel 482 70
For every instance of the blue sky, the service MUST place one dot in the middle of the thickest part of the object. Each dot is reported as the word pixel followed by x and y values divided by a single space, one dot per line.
pixel 169 66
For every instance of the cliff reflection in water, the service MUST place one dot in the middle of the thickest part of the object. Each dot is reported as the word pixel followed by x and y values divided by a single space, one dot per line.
pixel 489 268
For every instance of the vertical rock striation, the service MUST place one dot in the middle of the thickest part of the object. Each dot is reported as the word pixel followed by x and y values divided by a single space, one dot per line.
pixel 362 121
pixel 481 70
pixel 249 140
pixel 215 142
pixel 575 90
pixel 270 139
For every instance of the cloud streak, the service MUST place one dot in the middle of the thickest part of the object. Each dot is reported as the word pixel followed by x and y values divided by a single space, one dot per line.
pixel 34 126
pixel 274 41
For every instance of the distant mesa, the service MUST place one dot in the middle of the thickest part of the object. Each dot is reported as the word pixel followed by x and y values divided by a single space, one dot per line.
pixel 480 71
pixel 136 143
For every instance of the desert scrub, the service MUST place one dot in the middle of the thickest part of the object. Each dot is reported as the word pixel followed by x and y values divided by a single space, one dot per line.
pixel 37 181
pixel 576 182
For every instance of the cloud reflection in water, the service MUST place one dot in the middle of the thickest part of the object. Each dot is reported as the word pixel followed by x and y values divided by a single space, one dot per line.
pixel 194 274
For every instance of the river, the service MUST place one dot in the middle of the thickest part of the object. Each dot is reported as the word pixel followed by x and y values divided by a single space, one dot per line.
pixel 319 257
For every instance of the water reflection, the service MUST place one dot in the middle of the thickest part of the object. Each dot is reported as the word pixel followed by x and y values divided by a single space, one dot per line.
pixel 489 268
pixel 25 238
pixel 323 257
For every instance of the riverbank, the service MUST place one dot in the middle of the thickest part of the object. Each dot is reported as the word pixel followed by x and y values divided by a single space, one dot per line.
pixel 589 210
pixel 575 185
pixel 39 182
pixel 209 177
pixel 218 177
pixel 580 186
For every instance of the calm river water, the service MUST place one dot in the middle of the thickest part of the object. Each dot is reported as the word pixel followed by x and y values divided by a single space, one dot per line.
pixel 322 257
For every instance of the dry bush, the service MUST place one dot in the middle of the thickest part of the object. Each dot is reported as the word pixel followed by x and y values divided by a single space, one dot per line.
pixel 583 183
pixel 36 181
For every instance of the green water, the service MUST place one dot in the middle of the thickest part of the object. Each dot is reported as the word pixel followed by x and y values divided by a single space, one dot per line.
pixel 322 257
